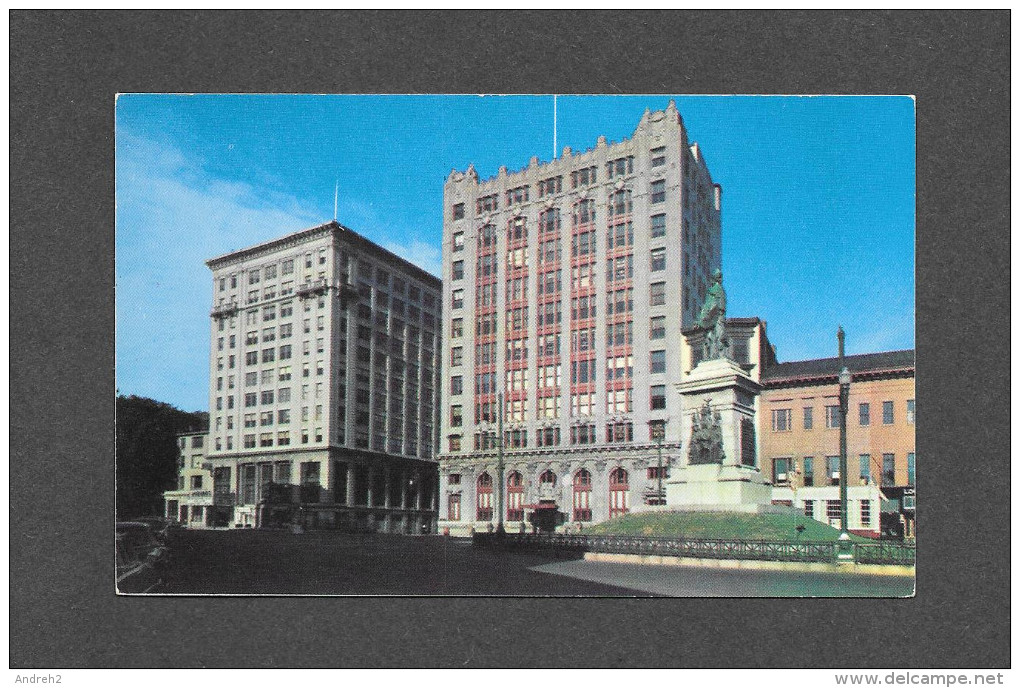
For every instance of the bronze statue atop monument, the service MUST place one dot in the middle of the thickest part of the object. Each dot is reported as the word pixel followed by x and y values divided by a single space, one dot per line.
pixel 712 320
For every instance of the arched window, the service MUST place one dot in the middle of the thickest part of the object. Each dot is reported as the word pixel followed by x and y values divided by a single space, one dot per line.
pixel 515 497
pixel 453 507
pixel 548 478
pixel 484 498
pixel 619 491
pixel 582 495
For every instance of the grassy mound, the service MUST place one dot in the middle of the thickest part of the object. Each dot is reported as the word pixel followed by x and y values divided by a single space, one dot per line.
pixel 717 525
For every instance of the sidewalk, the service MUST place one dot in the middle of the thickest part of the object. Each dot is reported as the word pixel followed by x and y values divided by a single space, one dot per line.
pixel 700 581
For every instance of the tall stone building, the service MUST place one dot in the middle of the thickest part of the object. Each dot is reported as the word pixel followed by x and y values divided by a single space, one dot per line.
pixel 566 286
pixel 322 385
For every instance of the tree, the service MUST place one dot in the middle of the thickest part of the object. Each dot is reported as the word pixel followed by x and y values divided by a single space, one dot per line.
pixel 147 452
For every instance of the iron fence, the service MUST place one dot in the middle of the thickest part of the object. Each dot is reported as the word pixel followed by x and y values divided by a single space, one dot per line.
pixel 702 548
pixel 885 553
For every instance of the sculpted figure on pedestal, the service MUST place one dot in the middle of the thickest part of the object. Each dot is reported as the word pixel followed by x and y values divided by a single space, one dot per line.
pixel 712 320
pixel 706 437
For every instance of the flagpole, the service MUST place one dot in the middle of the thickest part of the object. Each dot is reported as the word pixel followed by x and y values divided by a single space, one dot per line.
pixel 554 126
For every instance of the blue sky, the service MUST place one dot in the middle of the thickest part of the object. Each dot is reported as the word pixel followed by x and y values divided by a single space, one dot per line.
pixel 818 201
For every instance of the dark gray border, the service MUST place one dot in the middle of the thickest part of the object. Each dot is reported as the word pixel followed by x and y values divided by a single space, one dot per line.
pixel 65 69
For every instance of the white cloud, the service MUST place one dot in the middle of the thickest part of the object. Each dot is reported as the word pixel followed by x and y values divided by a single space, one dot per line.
pixel 171 218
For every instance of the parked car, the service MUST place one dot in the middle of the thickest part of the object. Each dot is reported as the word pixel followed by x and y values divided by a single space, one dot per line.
pixel 142 556
pixel 159 527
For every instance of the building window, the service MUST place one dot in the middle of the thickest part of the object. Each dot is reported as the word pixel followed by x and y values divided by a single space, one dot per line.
pixel 887 413
pixel 888 469
pixel 582 434
pixel 457 328
pixel 809 508
pixel 865 466
pixel 658 361
pixel 866 513
pixel 658 226
pixel 832 417
pixel 458 211
pixel 582 496
pixel 910 411
pixel 550 186
pixel 487 204
pixel 458 298
pixel 809 471
pixel 456 384
pixel 808 417
pixel 456 416
pixel 582 177
pixel 619 493
pixel 654 473
pixel 515 497
pixel 658 156
pixel 833 512
pixel 458 241
pixel 620 166
pixel 484 498
pixel 832 469
pixel 781 471
pixel 458 269
pixel 657 294
pixel 864 413
pixel 658 397
pixel 454 507
pixel 517 195
pixel 619 432
pixel 781 420
pixel 657 429
pixel 910 469
pixel 659 191
pixel 658 328
pixel 658 259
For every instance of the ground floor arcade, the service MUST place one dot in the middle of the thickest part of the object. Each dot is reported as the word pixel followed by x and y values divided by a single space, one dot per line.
pixel 580 488
pixel 342 489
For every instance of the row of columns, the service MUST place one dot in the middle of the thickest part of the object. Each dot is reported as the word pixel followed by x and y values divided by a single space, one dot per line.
pixel 349 496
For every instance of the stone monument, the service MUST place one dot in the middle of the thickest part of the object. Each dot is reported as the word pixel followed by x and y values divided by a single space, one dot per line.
pixel 719 468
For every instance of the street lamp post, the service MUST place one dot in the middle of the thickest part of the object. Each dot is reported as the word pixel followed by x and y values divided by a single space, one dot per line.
pixel 660 436
pixel 844 402
pixel 796 508
pixel 499 465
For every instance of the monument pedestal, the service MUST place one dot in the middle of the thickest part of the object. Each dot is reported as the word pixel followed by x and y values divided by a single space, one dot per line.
pixel 717 488
pixel 719 402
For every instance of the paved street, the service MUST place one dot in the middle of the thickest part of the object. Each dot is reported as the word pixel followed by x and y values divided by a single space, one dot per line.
pixel 330 563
